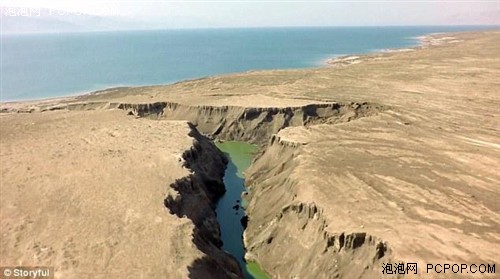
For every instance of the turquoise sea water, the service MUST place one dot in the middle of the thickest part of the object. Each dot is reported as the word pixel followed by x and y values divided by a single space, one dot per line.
pixel 50 65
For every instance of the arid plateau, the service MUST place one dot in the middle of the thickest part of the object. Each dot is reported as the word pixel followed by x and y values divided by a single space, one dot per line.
pixel 387 157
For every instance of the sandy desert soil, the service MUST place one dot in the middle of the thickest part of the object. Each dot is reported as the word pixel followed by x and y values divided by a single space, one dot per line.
pixel 392 158
pixel 84 191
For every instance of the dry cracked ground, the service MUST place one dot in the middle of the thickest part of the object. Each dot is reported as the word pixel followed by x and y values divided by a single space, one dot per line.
pixel 392 158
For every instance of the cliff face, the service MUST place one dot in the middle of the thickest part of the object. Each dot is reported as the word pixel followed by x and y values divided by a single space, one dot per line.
pixel 421 176
pixel 284 220
pixel 290 238
pixel 194 197
pixel 277 223
pixel 103 215
pixel 254 125
pixel 250 124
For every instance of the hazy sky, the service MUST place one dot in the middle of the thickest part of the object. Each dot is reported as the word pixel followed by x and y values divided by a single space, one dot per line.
pixel 253 13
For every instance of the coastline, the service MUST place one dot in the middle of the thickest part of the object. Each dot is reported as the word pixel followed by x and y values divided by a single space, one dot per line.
pixel 28 106
pixel 427 40
pixel 396 147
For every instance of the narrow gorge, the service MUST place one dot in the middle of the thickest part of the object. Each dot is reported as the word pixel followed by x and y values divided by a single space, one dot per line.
pixel 286 237
pixel 388 160
pixel 278 227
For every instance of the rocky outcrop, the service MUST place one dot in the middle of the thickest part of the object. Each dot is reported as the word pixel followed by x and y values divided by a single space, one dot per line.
pixel 194 197
pixel 290 238
pixel 279 226
pixel 255 125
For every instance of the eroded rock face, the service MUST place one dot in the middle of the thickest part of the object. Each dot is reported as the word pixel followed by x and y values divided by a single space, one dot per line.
pixel 285 227
pixel 102 215
pixel 416 182
pixel 285 221
pixel 245 123
pixel 254 125
pixel 194 197
pixel 299 230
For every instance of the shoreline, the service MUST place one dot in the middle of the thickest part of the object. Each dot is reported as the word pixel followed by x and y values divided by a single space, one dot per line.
pixel 343 60
pixel 350 59
pixel 424 41
pixel 397 148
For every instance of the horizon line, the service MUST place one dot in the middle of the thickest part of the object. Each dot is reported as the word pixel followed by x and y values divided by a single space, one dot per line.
pixel 252 27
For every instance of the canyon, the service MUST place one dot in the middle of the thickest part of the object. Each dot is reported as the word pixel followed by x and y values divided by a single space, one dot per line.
pixel 392 159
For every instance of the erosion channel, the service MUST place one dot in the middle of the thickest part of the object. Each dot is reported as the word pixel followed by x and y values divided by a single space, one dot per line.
pixel 230 208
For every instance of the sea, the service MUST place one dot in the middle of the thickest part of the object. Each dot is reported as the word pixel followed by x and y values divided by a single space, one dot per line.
pixel 35 66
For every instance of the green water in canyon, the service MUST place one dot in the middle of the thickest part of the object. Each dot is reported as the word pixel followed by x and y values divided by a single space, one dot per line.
pixel 229 207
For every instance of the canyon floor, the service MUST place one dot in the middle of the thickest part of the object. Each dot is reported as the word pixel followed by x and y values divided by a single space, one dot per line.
pixel 392 158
